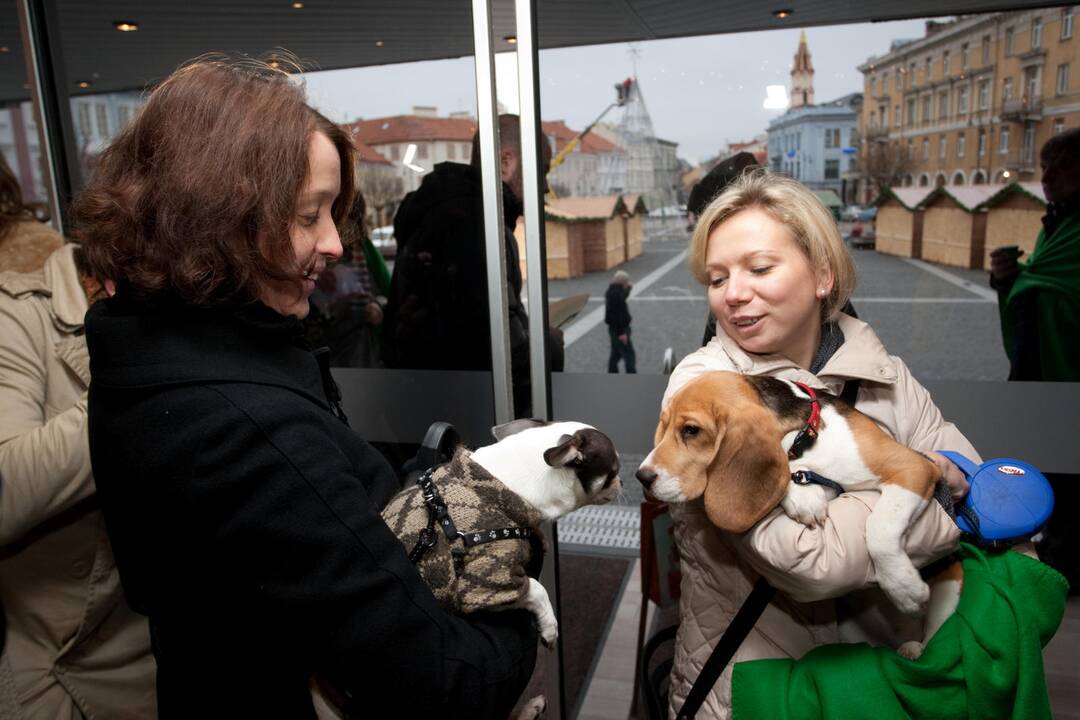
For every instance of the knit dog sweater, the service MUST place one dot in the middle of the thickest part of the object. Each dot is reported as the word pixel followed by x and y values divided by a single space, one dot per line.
pixel 467 579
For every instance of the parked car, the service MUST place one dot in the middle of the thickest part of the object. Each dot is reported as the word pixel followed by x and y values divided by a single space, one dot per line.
pixel 851 212
pixel 867 215
pixel 383 240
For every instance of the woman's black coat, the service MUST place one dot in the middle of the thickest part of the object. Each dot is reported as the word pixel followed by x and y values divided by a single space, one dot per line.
pixel 245 521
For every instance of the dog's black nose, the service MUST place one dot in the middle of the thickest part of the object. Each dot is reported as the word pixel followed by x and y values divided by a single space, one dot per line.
pixel 645 476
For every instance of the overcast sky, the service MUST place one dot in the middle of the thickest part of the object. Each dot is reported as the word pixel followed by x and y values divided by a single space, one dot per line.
pixel 701 92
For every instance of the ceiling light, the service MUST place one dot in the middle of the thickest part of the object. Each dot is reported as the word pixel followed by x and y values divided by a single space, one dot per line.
pixel 1005 174
pixel 125 25
pixel 511 39
pixel 298 6
pixel 378 43
pixel 782 13
pixel 776 97
pixel 407 161
pixel 4 49
pixel 83 84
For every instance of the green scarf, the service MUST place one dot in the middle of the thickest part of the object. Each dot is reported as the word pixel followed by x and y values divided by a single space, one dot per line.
pixel 1054 271
pixel 984 662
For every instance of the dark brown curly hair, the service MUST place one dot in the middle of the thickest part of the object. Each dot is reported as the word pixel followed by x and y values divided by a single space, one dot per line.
pixel 196 197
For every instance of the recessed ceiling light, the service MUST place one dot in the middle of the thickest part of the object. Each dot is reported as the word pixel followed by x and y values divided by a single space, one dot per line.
pixel 782 13
pixel 125 25
pixel 83 84
pixel 378 43
pixel 4 49
pixel 297 6
pixel 511 39
pixel 274 64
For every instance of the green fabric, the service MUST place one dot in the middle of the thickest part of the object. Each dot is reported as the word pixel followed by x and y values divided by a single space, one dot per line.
pixel 1054 271
pixel 380 275
pixel 984 662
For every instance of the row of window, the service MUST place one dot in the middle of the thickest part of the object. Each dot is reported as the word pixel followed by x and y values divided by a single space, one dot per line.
pixel 905 77
pixel 1003 142
pixel 794 140
pixel 794 169
pixel 1031 88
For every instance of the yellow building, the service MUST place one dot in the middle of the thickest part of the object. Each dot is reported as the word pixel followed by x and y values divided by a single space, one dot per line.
pixel 971 102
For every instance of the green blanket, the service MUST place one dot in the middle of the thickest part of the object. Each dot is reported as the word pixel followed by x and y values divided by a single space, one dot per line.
pixel 984 662
pixel 1054 271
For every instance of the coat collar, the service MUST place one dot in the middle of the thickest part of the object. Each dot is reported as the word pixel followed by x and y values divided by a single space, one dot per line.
pixel 57 280
pixel 134 345
pixel 862 357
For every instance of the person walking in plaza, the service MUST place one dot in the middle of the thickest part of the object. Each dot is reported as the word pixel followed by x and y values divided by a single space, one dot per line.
pixel 243 510
pixel 617 317
pixel 74 649
pixel 777 275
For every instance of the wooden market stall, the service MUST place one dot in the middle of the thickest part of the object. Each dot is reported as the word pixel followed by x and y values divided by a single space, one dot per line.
pixel 1014 217
pixel 899 224
pixel 954 225
pixel 632 230
pixel 595 222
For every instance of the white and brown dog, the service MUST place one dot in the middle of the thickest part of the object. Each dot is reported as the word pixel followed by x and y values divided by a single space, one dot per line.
pixel 741 442
pixel 493 501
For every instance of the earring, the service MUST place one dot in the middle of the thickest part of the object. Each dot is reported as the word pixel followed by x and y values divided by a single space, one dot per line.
pixel 820 292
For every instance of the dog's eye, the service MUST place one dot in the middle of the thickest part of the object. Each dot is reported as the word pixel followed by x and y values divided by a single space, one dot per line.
pixel 690 431
pixel 576 461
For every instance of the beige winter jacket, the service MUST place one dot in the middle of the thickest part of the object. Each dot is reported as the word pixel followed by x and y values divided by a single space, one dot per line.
pixel 73 648
pixel 823 573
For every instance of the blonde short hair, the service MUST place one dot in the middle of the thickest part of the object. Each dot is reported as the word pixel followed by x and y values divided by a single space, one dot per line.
pixel 791 204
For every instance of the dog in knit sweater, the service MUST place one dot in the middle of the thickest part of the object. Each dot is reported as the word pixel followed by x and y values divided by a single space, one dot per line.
pixel 496 498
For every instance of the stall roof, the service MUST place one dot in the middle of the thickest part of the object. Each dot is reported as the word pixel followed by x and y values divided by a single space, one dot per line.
pixel 909 197
pixel 582 209
pixel 1030 189
pixel 829 198
pixel 344 33
pixel 969 197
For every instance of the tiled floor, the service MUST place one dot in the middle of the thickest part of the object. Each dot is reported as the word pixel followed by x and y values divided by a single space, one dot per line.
pixel 610 692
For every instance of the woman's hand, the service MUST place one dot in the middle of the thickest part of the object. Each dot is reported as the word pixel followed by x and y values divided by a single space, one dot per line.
pixel 958 484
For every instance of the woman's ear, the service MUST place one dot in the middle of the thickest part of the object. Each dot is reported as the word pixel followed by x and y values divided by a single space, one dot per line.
pixel 750 474
pixel 825 282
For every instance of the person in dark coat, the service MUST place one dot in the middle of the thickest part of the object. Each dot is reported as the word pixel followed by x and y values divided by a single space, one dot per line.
pixel 617 317
pixel 243 511
pixel 437 311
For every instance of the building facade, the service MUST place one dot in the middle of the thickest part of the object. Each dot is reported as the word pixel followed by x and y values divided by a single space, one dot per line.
pixel 578 175
pixel 972 101
pixel 415 143
pixel 815 144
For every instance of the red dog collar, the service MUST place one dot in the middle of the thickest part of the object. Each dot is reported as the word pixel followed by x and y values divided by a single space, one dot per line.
pixel 809 432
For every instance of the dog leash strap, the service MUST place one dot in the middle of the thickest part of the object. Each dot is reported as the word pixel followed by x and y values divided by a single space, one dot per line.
pixel 808 477
pixel 725 649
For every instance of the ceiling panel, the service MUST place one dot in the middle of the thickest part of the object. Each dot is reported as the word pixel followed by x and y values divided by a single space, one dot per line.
pixel 343 33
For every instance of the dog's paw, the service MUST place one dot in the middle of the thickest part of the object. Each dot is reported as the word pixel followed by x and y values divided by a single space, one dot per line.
pixel 808 504
pixel 534 709
pixel 912 650
pixel 549 632
pixel 909 595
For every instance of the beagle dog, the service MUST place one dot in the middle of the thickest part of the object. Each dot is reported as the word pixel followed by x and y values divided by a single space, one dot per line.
pixel 747 443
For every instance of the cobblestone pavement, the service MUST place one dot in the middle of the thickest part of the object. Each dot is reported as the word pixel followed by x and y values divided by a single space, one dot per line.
pixel 942 321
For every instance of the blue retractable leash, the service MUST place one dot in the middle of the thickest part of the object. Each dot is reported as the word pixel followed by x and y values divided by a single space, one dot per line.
pixel 1009 500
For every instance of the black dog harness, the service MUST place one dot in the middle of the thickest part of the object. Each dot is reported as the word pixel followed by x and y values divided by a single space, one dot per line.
pixel 439 513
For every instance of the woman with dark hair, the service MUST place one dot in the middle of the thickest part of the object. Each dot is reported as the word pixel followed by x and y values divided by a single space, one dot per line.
pixel 25 239
pixel 243 511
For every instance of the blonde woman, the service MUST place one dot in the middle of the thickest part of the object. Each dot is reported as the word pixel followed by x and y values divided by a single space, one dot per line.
pixel 777 273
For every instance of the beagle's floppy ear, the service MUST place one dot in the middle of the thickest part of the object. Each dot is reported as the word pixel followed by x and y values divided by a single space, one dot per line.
pixel 567 451
pixel 749 475
pixel 501 432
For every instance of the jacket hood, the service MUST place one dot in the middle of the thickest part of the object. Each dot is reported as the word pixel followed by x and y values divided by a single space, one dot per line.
pixel 448 182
